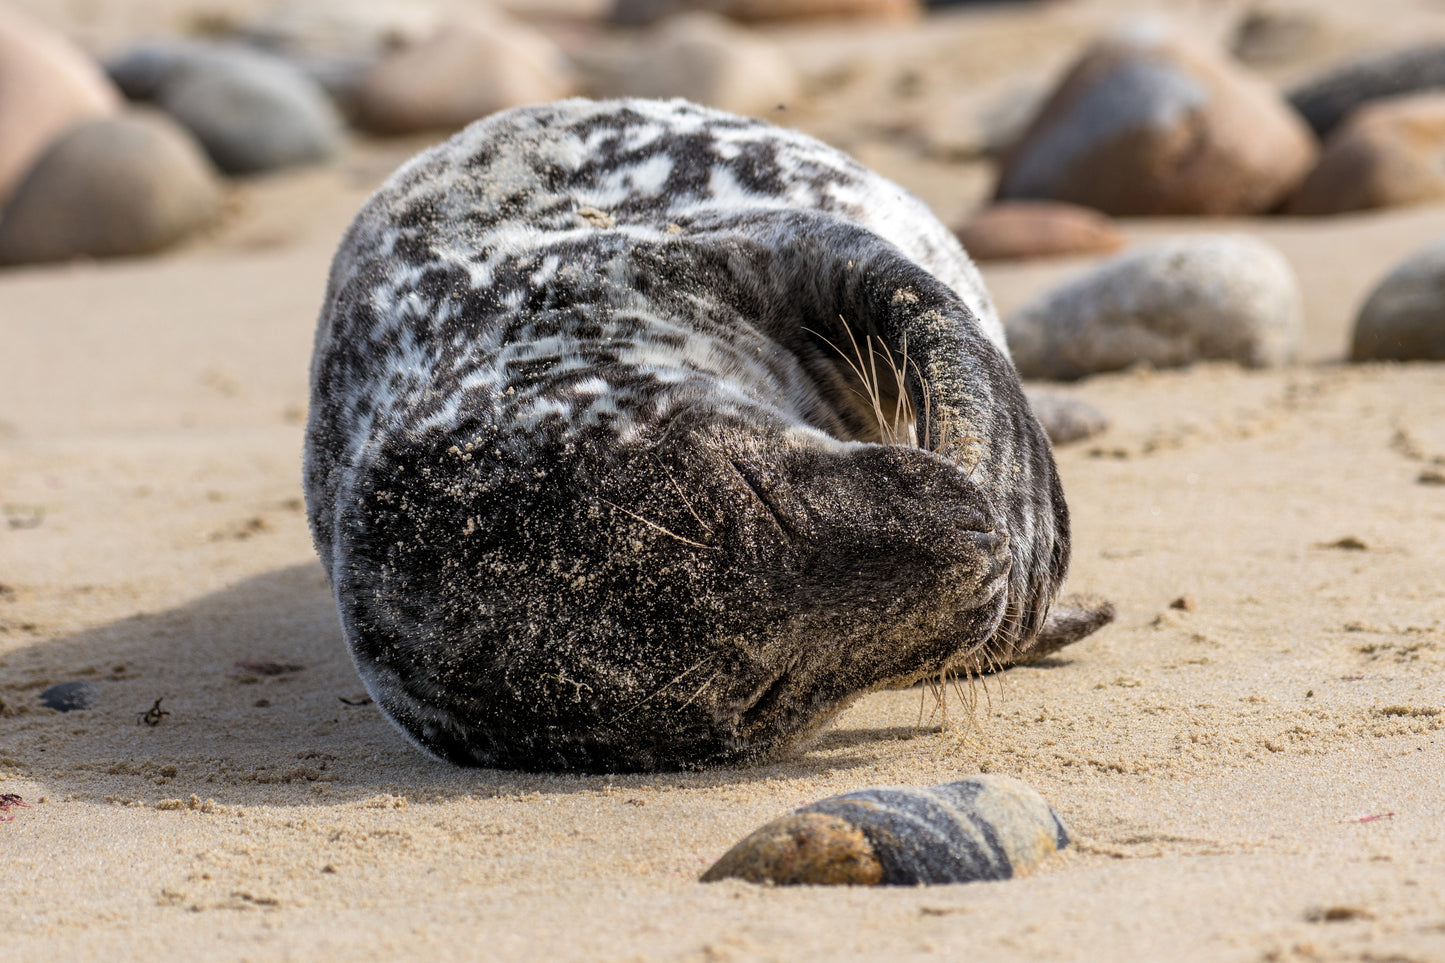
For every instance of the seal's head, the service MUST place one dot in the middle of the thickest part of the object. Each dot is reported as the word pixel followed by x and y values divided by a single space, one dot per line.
pixel 708 594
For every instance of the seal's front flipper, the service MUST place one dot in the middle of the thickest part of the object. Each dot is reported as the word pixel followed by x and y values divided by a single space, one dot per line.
pixel 1071 619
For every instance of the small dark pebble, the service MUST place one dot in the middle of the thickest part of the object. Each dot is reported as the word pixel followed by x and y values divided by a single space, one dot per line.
pixel 1349 543
pixel 1432 476
pixel 67 697
pixel 361 700
pixel 1338 914
pixel 1184 603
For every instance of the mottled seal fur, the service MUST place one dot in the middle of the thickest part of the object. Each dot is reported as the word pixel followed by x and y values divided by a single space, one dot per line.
pixel 590 471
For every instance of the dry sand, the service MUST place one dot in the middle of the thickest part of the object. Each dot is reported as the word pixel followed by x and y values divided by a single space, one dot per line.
pixel 1259 777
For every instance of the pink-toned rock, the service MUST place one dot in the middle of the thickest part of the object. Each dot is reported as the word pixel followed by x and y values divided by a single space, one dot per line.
pixel 469 68
pixel 46 86
pixel 1016 230
pixel 638 12
pixel 1387 153
pixel 1146 124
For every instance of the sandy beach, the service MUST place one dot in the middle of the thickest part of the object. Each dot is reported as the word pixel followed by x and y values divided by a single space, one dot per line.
pixel 1251 759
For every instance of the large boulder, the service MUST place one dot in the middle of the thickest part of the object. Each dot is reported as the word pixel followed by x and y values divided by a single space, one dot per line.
pixel 119 185
pixel 1019 230
pixel 250 110
pixel 46 86
pixel 1227 297
pixel 1403 319
pixel 1388 153
pixel 642 12
pixel 705 59
pixel 1145 124
pixel 1328 98
pixel 471 66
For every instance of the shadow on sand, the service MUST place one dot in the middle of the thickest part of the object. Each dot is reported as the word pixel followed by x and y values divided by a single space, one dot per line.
pixel 258 689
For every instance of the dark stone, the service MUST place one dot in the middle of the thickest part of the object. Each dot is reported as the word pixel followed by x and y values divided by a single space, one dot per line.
pixel 250 110
pixel 1404 317
pixel 1328 98
pixel 1142 125
pixel 68 696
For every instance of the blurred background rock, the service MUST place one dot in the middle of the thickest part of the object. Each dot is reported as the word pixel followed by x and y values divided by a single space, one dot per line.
pixel 1101 114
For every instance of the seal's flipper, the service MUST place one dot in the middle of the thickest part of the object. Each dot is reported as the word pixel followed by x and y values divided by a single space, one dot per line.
pixel 1072 618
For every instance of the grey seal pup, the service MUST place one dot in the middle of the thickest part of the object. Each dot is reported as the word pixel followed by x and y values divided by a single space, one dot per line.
pixel 603 458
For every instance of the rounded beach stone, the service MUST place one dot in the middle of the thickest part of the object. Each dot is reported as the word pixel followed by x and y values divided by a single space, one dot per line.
pixel 1016 230
pixel 980 828
pixel 335 41
pixel 1065 419
pixel 1227 297
pixel 1388 153
pixel 707 60
pixel 46 86
pixel 802 847
pixel 468 68
pixel 113 186
pixel 1403 319
pixel 251 111
pixel 1145 125
pixel 1327 99
pixel 641 12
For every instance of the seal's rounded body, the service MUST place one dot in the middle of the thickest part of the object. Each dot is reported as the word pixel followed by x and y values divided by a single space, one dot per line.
pixel 590 466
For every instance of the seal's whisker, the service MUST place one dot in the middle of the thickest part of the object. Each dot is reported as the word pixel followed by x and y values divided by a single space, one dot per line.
pixel 650 524
pixel 870 390
pixel 903 410
pixel 663 688
pixel 940 700
pixel 678 488
pixel 701 689
pixel 968 696
pixel 901 429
